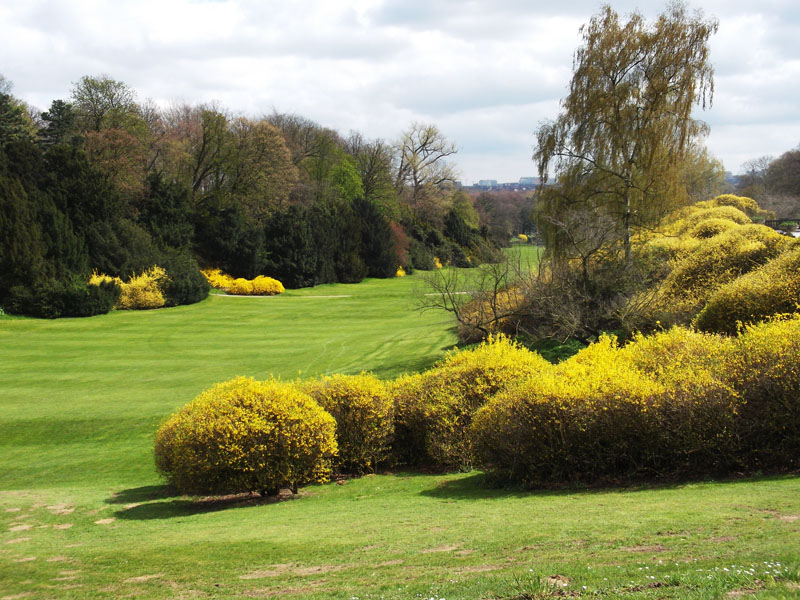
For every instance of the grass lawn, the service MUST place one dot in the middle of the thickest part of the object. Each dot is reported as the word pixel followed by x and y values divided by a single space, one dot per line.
pixel 83 513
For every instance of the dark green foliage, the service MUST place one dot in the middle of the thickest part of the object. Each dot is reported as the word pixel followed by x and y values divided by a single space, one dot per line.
pixel 13 125
pixel 457 229
pixel 60 125
pixel 226 238
pixel 291 251
pixel 68 297
pixel 419 256
pixel 338 238
pixel 377 248
pixel 186 284
pixel 164 213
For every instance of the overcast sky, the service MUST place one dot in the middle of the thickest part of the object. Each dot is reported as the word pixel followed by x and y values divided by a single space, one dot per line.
pixel 486 72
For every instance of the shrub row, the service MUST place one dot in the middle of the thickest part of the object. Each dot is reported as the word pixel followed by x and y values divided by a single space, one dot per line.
pixel 258 286
pixel 713 268
pixel 676 404
pixel 223 441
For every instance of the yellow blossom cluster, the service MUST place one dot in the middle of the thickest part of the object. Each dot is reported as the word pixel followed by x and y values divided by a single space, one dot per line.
pixel 142 291
pixel 364 414
pixel 247 436
pixel 704 251
pixel 679 402
pixel 259 286
pixel 401 272
pixel 435 408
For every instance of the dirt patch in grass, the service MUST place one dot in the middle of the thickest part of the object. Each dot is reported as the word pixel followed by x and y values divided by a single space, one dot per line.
pixel 61 509
pixel 25 559
pixel 62 526
pixel 480 569
pixel 20 527
pixel 107 521
pixel 724 538
pixel 19 540
pixel 558 581
pixel 391 563
pixel 465 552
pixel 143 578
pixel 740 593
pixel 445 548
pixel 290 569
pixel 287 591
pixel 645 549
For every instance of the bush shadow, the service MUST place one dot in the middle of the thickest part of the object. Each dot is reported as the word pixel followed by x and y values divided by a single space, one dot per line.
pixel 479 486
pixel 162 502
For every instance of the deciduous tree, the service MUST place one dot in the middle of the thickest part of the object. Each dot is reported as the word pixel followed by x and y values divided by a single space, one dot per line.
pixel 626 125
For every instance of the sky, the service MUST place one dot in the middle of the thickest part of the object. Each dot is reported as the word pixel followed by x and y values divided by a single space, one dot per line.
pixel 486 72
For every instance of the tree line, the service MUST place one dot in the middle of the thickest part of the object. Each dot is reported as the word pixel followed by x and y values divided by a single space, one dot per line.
pixel 102 181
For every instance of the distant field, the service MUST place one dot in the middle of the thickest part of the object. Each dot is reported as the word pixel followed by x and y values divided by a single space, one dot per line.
pixel 83 513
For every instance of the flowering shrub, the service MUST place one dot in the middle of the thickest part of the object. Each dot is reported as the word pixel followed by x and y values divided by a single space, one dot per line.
pixel 717 261
pixel 260 286
pixel 217 279
pixel 437 263
pixel 763 365
pixel 401 272
pixel 682 221
pixel 772 289
pixel 434 409
pixel 523 238
pixel 708 228
pixel 364 415
pixel 657 407
pixel 243 436
pixel 747 205
pixel 267 286
pixel 141 291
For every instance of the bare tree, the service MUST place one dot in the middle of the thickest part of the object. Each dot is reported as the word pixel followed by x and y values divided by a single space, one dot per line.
pixel 422 167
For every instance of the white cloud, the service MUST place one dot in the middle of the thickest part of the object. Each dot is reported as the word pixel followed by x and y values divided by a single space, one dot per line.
pixel 487 72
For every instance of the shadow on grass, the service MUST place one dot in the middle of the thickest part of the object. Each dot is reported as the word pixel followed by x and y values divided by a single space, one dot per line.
pixel 162 502
pixel 479 486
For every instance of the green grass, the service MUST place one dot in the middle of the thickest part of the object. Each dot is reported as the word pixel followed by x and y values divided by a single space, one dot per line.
pixel 84 515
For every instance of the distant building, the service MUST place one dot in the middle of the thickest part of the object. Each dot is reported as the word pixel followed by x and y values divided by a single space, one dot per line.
pixel 487 183
pixel 528 181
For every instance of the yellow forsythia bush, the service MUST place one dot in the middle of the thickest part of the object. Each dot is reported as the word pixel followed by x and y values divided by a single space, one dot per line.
pixel 763 366
pixel 769 290
pixel 653 408
pixel 716 262
pixel 437 264
pixel 747 205
pixel 434 409
pixel 141 291
pixel 241 287
pixel 708 228
pixel 364 414
pixel 401 272
pixel 578 420
pixel 260 286
pixel 267 286
pixel 244 436
pixel 683 221
pixel 217 279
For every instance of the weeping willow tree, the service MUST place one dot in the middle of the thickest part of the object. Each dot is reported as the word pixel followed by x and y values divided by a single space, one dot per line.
pixel 625 133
